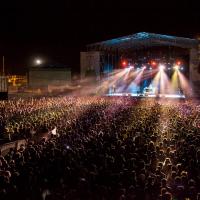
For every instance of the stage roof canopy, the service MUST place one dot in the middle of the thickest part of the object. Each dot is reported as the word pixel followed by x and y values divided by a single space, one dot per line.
pixel 143 40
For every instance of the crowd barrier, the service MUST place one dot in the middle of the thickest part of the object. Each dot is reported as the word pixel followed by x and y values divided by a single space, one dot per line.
pixel 4 148
pixel 15 145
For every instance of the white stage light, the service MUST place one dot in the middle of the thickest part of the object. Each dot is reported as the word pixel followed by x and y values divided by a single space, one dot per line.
pixel 176 67
pixel 161 67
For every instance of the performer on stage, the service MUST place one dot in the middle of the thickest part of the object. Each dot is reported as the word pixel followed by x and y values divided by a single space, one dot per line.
pixel 114 88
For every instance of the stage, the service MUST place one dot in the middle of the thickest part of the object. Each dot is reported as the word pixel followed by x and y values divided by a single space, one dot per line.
pixel 136 95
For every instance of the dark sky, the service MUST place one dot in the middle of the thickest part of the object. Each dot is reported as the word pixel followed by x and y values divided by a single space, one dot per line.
pixel 58 30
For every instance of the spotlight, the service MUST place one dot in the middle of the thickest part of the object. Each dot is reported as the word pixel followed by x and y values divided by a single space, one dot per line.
pixel 182 68
pixel 176 67
pixel 169 68
pixel 127 69
pixel 124 63
pixel 153 63
pixel 161 67
pixel 150 68
pixel 178 62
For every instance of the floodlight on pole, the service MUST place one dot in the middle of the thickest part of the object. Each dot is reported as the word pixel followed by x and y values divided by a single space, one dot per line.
pixel 3 67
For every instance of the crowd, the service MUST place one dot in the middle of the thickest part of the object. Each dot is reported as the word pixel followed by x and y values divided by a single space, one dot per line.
pixel 104 148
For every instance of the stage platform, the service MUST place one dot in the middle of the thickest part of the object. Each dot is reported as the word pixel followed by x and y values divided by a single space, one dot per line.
pixel 171 96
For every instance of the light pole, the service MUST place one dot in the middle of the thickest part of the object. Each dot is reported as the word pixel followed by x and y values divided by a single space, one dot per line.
pixel 3 67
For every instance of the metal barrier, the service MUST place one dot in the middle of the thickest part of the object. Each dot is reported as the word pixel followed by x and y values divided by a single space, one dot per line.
pixel 15 145
pixel 4 148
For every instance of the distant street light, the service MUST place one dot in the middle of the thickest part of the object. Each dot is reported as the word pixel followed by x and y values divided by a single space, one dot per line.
pixel 38 61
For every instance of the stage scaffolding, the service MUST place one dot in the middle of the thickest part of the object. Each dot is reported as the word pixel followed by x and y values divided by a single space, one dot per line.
pixel 112 50
pixel 141 40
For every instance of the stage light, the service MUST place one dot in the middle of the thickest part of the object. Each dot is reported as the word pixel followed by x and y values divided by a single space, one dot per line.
pixel 124 63
pixel 182 68
pixel 161 67
pixel 144 67
pixel 153 63
pixel 127 69
pixel 178 62
pixel 150 68
pixel 176 67
pixel 169 68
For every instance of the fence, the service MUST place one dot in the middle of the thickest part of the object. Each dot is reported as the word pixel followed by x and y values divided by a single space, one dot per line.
pixel 15 145
pixel 4 148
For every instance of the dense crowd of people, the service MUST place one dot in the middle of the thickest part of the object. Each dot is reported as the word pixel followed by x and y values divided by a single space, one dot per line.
pixel 101 148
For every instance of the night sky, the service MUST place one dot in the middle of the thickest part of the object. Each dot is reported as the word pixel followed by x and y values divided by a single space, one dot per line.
pixel 58 30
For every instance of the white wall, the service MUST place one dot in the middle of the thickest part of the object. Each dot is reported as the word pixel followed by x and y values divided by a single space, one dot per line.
pixel 90 60
pixel 49 77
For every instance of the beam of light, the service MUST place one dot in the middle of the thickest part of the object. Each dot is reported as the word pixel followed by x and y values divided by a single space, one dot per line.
pixel 112 79
pixel 122 81
pixel 128 85
pixel 156 80
pixel 149 74
pixel 146 79
pixel 161 81
pixel 161 67
pixel 144 67
pixel 114 72
pixel 165 85
pixel 184 84
pixel 128 70
pixel 138 78
pixel 122 84
pixel 175 81
pixel 176 67
pixel 132 87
